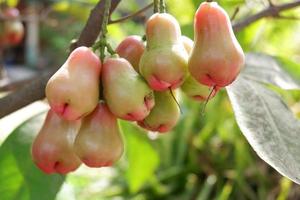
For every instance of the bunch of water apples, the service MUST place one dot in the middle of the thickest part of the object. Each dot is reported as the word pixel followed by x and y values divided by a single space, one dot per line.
pixel 137 86
pixel 11 29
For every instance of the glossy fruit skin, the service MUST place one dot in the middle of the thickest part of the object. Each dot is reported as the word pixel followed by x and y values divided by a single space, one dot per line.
pixel 191 87
pixel 11 30
pixel 73 91
pixel 52 149
pixel 99 142
pixel 165 114
pixel 217 57
pixel 126 93
pixel 164 63
pixel 132 48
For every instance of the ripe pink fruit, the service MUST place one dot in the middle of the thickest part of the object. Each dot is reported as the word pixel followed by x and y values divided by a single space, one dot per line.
pixel 164 63
pixel 12 29
pixel 73 91
pixel 14 32
pixel 99 142
pixel 132 48
pixel 52 149
pixel 126 93
pixel 191 87
pixel 217 57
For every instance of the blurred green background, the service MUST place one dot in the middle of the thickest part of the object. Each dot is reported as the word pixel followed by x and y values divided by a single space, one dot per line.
pixel 204 157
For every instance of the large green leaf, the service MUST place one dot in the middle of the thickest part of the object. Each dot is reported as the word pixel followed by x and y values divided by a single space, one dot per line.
pixel 143 159
pixel 267 69
pixel 20 179
pixel 268 124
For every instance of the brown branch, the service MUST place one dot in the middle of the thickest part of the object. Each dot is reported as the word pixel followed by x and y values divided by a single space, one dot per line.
pixel 271 11
pixel 92 28
pixel 15 84
pixel 236 11
pixel 35 90
pixel 131 15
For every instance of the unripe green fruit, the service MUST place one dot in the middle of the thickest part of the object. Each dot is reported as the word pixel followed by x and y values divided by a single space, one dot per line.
pixel 126 93
pixel 73 91
pixel 217 57
pixel 164 63
pixel 165 114
pixel 99 142
pixel 52 149
pixel 132 48
pixel 191 87
pixel 197 91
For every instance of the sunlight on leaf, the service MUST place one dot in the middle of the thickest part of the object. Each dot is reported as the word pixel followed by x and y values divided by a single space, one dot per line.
pixel 266 69
pixel 268 124
pixel 177 7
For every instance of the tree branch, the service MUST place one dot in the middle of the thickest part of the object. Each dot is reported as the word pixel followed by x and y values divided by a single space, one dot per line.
pixel 35 90
pixel 271 11
pixel 131 15
pixel 92 28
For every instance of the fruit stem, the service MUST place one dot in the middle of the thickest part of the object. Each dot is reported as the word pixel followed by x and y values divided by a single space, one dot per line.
pixel 110 49
pixel 102 44
pixel 103 40
pixel 156 6
pixel 213 88
pixel 173 96
pixel 162 6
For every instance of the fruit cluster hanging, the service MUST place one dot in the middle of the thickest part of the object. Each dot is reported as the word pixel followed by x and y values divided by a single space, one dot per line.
pixel 139 84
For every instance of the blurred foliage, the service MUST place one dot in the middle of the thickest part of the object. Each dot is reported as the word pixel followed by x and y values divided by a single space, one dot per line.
pixel 204 157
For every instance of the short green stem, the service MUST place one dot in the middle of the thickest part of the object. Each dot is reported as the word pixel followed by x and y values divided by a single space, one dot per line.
pixel 156 6
pixel 162 8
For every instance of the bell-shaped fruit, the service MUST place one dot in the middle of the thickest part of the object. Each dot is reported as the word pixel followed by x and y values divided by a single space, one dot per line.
pixel 52 149
pixel 191 87
pixel 164 63
pixel 12 29
pixel 132 48
pixel 99 142
pixel 73 91
pixel 14 32
pixel 127 94
pixel 165 114
pixel 217 57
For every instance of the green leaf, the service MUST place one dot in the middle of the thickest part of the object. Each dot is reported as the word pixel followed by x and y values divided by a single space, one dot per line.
pixel 20 178
pixel 268 125
pixel 266 69
pixel 12 3
pixel 143 159
pixel 177 7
